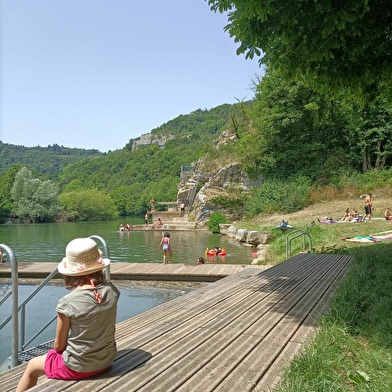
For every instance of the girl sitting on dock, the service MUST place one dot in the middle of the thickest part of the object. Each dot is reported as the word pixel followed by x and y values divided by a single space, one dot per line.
pixel 88 312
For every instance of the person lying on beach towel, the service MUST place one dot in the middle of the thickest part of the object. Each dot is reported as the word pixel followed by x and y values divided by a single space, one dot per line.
pixel 284 225
pixel 328 221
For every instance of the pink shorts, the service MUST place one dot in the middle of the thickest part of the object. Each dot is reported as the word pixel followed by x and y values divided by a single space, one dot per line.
pixel 54 368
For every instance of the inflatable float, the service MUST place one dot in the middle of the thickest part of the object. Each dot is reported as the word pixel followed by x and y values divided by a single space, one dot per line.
pixel 212 252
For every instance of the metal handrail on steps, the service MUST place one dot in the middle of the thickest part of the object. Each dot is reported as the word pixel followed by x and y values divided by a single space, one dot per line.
pixel 19 346
pixel 298 233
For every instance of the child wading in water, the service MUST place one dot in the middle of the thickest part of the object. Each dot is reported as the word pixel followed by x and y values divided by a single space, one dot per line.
pixel 165 244
pixel 86 318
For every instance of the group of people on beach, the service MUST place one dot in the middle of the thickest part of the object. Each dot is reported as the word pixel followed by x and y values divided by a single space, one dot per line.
pixel 354 216
pixel 158 222
pixel 351 216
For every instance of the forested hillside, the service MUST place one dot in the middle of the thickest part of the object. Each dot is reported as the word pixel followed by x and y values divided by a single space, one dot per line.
pixel 47 161
pixel 132 178
pixel 129 178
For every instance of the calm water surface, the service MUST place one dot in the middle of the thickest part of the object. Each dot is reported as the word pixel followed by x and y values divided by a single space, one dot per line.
pixel 47 242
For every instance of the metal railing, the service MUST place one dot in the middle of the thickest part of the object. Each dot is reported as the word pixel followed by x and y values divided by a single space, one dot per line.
pixel 14 293
pixel 296 234
pixel 18 345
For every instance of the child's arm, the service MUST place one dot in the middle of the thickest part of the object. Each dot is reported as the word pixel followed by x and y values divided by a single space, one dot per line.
pixel 62 328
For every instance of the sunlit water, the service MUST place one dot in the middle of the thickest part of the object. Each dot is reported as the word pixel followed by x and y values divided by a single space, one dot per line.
pixel 47 242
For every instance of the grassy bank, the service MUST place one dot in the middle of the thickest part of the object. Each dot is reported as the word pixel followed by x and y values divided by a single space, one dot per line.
pixel 352 350
pixel 325 238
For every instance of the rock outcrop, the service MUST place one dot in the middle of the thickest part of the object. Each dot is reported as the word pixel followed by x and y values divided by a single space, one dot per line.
pixel 225 181
pixel 205 180
pixel 148 138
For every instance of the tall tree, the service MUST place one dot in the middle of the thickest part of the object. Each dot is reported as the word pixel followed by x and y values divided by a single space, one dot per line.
pixel 344 42
pixel 35 200
pixel 6 182
pixel 374 134
pixel 296 130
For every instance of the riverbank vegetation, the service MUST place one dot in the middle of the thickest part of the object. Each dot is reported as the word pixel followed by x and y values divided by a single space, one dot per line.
pixel 352 348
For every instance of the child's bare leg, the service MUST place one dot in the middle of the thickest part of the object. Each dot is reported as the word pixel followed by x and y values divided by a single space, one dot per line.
pixel 35 368
pixel 164 257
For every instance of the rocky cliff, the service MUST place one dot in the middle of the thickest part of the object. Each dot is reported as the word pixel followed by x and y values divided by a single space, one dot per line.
pixel 207 179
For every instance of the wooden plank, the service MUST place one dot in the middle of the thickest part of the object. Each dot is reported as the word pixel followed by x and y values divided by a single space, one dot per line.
pixel 251 369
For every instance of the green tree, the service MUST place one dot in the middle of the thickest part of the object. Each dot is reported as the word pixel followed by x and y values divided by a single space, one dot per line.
pixel 89 204
pixel 344 42
pixel 374 135
pixel 35 200
pixel 295 130
pixel 47 161
pixel 6 182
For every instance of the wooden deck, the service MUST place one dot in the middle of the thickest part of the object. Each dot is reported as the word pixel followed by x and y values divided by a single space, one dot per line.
pixel 235 334
pixel 140 271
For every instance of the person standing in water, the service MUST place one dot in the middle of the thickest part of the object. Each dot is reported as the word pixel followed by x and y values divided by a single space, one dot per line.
pixel 86 319
pixel 166 247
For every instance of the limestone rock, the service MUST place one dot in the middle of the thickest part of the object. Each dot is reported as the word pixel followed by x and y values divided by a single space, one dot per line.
pixel 231 231
pixel 241 235
pixel 147 139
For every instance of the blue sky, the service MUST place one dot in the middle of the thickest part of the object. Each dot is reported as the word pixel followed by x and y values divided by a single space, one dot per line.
pixel 96 73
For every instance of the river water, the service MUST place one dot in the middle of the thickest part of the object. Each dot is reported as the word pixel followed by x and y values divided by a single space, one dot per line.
pixel 47 242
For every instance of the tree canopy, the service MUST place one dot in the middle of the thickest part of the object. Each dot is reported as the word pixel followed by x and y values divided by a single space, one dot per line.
pixel 35 200
pixel 346 43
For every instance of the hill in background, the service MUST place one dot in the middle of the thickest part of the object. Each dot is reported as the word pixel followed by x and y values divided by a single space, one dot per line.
pixel 48 161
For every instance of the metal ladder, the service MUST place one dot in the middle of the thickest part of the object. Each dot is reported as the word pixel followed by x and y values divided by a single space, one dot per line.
pixel 296 234
pixel 19 354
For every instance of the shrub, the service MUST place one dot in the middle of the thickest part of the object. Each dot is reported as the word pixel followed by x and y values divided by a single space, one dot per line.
pixel 216 219
pixel 280 196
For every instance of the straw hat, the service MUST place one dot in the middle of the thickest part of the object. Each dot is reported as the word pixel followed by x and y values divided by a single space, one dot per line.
pixel 82 257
